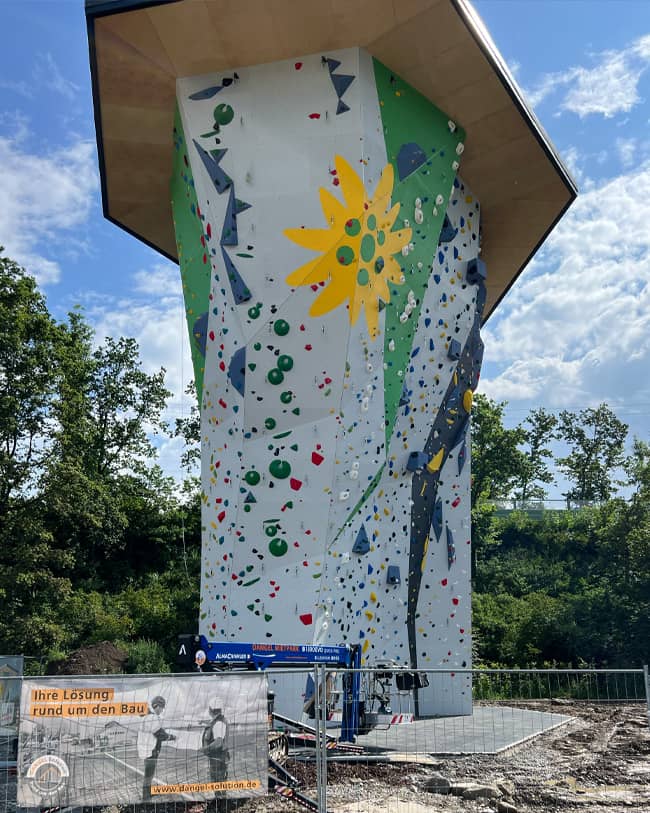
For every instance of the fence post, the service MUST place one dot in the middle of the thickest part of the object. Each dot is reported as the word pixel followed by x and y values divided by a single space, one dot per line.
pixel 646 681
pixel 323 717
pixel 320 708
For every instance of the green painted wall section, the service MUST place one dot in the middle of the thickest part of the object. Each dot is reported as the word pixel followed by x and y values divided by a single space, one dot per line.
pixel 193 257
pixel 409 117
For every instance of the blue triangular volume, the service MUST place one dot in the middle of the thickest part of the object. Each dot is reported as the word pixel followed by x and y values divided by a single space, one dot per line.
pixel 250 497
pixel 362 543
pixel 237 370
pixel 211 161
pixel 437 519
pixel 341 107
pixel 239 288
pixel 208 93
pixel 451 549
pixel 200 332
pixel 448 232
pixel 410 157
pixel 241 206
pixel 462 456
pixel 341 82
pixel 229 229
pixel 332 64
pixel 404 397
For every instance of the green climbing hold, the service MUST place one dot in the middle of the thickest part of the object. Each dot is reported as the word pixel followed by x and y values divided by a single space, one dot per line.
pixel 252 477
pixel 257 346
pixel 280 469
pixel 270 423
pixel 254 312
pixel 345 255
pixel 371 222
pixel 352 227
pixel 281 327
pixel 381 238
pixel 275 376
pixel 362 276
pixel 286 397
pixel 285 363
pixel 271 530
pixel 223 114
pixel 278 547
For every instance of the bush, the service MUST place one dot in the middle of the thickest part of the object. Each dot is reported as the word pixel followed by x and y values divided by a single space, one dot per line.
pixel 146 658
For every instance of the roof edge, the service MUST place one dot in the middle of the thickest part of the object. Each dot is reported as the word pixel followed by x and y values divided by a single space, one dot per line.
pixel 479 32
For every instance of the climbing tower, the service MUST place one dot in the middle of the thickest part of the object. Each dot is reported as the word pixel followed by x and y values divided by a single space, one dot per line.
pixel 349 189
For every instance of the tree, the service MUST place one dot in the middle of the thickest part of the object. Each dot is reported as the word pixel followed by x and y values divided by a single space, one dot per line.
pixel 496 461
pixel 540 431
pixel 28 339
pixel 596 439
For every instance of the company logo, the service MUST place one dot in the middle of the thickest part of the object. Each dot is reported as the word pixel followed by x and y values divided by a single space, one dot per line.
pixel 48 775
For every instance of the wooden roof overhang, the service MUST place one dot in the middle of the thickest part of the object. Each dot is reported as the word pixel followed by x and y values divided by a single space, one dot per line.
pixel 139 47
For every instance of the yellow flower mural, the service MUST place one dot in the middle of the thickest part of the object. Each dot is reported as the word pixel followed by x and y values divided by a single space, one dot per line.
pixel 357 249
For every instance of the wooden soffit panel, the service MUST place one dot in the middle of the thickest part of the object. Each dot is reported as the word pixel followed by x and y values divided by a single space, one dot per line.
pixel 139 47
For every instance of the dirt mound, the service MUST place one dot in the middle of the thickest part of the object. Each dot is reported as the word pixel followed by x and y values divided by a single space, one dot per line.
pixel 99 659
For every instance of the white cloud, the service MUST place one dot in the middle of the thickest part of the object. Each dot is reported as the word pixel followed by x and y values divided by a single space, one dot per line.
pixel 626 148
pixel 44 198
pixel 154 315
pixel 610 86
pixel 48 74
pixel 576 328
pixel 162 278
pixel 152 312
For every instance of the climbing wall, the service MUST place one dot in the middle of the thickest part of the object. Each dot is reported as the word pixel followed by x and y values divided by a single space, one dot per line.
pixel 329 256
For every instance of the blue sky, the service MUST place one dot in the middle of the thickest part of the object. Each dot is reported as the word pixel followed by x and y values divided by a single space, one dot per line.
pixel 573 331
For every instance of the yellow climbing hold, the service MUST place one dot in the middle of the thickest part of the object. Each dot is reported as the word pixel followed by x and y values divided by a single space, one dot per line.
pixel 369 615
pixel 436 461
pixel 467 400
pixel 373 597
pixel 365 646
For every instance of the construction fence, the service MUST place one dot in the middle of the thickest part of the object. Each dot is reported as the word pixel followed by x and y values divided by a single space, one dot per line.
pixel 195 742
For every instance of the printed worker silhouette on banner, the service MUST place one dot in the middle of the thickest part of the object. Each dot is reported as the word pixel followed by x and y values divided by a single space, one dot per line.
pixel 215 741
pixel 150 739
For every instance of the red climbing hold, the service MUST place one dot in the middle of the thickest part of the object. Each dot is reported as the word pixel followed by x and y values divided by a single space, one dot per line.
pixel 221 516
pixel 298 66
pixel 296 485
pixel 307 619
pixel 316 458
pixel 314 115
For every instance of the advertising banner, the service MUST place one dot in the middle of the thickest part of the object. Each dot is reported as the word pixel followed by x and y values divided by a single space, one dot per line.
pixel 123 740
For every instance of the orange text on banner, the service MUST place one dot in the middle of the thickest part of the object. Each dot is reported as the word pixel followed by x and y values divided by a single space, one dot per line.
pixel 201 787
pixel 68 695
pixel 89 710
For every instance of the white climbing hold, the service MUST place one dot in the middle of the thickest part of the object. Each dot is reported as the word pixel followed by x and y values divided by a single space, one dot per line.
pixel 452 126
pixel 460 148
pixel 391 347
pixel 455 166
pixel 439 200
pixel 418 216
pixel 344 495
pixel 405 250
pixel 418 203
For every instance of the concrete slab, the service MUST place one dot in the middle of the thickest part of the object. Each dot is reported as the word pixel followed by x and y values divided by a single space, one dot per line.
pixel 488 730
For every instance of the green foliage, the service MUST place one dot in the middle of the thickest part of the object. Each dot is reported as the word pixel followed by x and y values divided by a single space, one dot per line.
pixel 596 439
pixel 146 657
